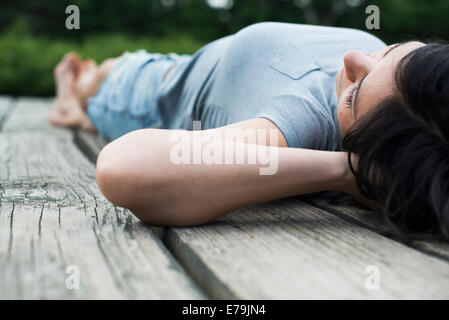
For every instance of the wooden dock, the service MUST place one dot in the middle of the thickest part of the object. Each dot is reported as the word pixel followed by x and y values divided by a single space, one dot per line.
pixel 61 239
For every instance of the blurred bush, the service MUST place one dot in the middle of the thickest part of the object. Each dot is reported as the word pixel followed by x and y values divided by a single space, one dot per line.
pixel 33 37
pixel 27 61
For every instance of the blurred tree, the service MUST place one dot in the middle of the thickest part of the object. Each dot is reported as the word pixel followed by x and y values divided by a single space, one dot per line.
pixel 210 19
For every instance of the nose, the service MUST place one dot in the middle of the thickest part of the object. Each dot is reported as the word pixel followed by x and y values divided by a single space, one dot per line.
pixel 358 64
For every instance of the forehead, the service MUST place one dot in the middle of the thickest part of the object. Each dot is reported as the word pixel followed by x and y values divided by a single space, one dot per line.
pixel 379 82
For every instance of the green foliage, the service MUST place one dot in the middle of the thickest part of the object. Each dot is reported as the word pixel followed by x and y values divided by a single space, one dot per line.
pixel 27 62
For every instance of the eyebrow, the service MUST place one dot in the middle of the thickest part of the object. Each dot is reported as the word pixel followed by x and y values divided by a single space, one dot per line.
pixel 361 81
pixel 392 48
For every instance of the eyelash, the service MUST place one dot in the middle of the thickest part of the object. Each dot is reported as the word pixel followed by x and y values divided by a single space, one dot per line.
pixel 349 96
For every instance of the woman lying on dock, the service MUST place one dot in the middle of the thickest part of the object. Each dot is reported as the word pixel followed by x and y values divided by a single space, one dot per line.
pixel 319 108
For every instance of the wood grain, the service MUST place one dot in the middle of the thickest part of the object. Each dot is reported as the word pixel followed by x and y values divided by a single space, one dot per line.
pixel 54 216
pixel 6 104
pixel 288 249
pixel 373 221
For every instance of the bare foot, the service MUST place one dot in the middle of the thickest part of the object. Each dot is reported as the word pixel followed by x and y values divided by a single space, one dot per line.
pixel 68 113
pixel 70 62
pixel 67 110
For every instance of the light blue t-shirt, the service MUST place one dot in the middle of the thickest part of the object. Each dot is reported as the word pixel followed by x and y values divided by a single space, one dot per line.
pixel 280 71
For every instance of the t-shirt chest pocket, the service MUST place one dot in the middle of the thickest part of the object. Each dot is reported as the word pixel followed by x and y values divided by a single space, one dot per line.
pixel 293 62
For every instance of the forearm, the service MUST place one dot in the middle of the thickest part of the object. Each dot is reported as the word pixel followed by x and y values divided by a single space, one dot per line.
pixel 166 192
pixel 211 190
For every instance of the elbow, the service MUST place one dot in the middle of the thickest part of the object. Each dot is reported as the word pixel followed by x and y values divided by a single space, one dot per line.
pixel 123 187
pixel 134 173
pixel 127 176
pixel 110 174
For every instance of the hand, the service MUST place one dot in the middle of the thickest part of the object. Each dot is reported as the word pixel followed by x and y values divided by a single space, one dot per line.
pixel 351 183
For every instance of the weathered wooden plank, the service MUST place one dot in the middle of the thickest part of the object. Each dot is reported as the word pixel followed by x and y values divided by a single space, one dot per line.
pixel 346 209
pixel 373 221
pixel 34 268
pixel 89 143
pixel 134 254
pixel 6 103
pixel 31 115
pixel 289 249
pixel 39 167
pixel 53 216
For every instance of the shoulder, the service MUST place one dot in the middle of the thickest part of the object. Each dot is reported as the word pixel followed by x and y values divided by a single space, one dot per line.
pixel 304 123
pixel 268 28
pixel 266 37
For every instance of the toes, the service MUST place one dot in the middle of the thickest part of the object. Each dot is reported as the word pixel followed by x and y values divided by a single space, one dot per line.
pixel 70 60
pixel 71 65
pixel 74 66
pixel 71 56
pixel 57 70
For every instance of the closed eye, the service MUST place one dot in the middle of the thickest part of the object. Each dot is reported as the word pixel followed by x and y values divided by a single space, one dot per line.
pixel 356 95
pixel 350 96
pixel 355 92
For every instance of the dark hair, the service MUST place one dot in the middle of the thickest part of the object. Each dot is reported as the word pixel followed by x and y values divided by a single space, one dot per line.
pixel 403 147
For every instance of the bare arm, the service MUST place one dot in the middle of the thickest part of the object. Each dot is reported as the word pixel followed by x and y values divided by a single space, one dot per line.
pixel 137 172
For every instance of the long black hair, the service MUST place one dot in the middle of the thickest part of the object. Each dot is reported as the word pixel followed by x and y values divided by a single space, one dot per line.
pixel 403 147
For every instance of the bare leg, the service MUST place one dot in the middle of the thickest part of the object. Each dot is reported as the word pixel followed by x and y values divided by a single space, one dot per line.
pixel 76 82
